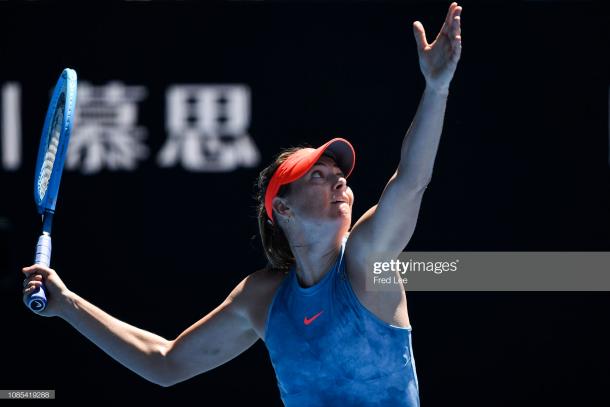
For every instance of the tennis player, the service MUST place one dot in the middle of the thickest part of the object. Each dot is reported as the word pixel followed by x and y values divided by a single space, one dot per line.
pixel 331 341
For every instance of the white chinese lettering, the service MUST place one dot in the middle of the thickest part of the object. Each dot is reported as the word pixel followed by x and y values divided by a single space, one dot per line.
pixel 105 133
pixel 207 128
pixel 11 126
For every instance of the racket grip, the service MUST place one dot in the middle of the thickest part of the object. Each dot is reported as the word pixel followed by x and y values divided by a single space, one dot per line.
pixel 37 301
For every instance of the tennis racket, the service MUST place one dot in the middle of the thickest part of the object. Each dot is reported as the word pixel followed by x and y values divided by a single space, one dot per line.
pixel 49 166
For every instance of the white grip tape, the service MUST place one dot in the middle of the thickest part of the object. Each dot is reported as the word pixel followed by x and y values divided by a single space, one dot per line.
pixel 43 250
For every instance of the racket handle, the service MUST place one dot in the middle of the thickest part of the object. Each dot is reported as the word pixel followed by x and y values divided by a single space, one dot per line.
pixel 37 300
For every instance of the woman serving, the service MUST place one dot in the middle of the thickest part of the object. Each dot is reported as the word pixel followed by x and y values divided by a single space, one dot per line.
pixel 330 340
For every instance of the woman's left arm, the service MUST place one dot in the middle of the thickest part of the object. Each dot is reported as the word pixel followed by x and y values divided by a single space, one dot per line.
pixel 388 226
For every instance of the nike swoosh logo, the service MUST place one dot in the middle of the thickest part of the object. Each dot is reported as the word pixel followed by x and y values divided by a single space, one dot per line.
pixel 308 321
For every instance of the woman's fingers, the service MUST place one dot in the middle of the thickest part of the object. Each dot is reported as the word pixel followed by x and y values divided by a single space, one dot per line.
pixel 32 286
pixel 456 29
pixel 32 277
pixel 451 25
pixel 456 32
pixel 449 16
pixel 35 269
pixel 455 35
pixel 35 276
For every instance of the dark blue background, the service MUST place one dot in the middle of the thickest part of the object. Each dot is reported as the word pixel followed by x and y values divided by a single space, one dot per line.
pixel 522 165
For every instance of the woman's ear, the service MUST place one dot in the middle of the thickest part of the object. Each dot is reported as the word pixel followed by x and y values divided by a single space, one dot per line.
pixel 280 206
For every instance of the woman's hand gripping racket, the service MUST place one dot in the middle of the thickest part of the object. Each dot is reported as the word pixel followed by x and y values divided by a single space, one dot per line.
pixel 49 166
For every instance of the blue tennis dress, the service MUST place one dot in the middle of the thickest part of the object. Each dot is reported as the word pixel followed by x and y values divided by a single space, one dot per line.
pixel 327 349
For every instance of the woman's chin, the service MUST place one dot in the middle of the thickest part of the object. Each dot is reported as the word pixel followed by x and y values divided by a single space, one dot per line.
pixel 344 212
pixel 345 209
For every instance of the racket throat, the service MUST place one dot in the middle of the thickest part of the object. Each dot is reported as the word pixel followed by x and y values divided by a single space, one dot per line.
pixel 47 222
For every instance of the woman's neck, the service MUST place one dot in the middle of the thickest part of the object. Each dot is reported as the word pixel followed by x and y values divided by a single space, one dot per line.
pixel 315 257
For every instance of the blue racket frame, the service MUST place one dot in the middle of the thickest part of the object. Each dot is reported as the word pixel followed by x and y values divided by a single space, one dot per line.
pixel 65 90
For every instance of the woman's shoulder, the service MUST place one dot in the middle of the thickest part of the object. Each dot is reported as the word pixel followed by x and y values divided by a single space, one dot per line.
pixel 267 278
pixel 257 294
pixel 259 283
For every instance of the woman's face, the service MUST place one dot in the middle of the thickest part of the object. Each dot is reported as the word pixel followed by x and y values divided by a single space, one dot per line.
pixel 321 194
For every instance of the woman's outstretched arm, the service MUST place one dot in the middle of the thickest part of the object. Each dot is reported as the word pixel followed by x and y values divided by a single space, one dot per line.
pixel 388 226
pixel 215 339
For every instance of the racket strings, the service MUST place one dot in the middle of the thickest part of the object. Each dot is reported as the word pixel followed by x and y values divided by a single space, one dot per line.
pixel 52 147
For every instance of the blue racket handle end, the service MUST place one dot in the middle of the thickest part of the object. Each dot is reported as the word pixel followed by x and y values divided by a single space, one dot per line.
pixel 37 301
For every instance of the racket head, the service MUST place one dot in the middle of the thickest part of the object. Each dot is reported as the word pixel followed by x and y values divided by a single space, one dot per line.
pixel 54 142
